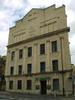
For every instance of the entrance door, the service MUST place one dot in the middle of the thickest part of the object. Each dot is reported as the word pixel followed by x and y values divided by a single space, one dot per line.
pixel 43 87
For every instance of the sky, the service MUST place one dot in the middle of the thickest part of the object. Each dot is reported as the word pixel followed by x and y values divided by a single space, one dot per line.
pixel 13 10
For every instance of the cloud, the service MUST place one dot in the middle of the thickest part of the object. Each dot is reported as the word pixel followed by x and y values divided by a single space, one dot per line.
pixel 10 11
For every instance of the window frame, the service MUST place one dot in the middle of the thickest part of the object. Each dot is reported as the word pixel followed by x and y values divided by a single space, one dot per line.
pixel 20 53
pixel 42 49
pixel 42 67
pixel 19 84
pixel 54 46
pixel 29 51
pixel 29 84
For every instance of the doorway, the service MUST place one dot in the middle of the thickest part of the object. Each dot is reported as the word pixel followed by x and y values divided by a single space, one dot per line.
pixel 43 87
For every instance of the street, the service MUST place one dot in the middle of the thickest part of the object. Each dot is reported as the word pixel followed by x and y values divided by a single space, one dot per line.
pixel 18 96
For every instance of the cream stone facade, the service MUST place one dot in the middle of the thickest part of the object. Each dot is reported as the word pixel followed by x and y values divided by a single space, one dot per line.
pixel 38 57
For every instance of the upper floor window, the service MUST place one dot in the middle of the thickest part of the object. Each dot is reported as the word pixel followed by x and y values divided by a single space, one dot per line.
pixel 55 65
pixel 29 51
pixel 20 53
pixel 29 84
pixel 42 66
pixel 20 69
pixel 54 46
pixel 11 84
pixel 19 84
pixel 11 70
pixel 29 68
pixel 12 55
pixel 42 49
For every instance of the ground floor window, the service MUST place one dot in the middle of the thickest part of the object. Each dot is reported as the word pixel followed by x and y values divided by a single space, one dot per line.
pixel 19 84
pixel 55 84
pixel 29 84
pixel 11 84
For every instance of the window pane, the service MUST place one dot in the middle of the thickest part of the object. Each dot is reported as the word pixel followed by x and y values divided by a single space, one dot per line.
pixel 55 65
pixel 56 84
pixel 42 49
pixel 29 84
pixel 12 55
pixel 19 84
pixel 11 70
pixel 20 69
pixel 54 46
pixel 42 67
pixel 10 84
pixel 29 51
pixel 29 68
pixel 20 54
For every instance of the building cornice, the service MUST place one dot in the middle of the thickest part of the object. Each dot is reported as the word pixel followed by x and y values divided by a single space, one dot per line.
pixel 44 73
pixel 57 32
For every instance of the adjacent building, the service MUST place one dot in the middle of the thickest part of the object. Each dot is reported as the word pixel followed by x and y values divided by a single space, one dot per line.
pixel 2 72
pixel 38 57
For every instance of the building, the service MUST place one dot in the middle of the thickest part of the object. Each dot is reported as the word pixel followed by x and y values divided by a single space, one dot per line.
pixel 2 72
pixel 38 57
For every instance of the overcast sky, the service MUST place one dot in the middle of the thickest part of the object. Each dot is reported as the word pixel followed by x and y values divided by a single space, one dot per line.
pixel 13 10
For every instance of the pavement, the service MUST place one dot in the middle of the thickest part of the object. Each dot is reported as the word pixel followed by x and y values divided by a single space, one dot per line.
pixel 23 96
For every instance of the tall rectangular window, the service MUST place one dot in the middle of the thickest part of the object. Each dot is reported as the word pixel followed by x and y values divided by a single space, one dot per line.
pixel 20 53
pixel 29 68
pixel 29 51
pixel 42 66
pixel 42 49
pixel 11 84
pixel 29 84
pixel 55 84
pixel 20 69
pixel 11 70
pixel 12 55
pixel 19 84
pixel 54 46
pixel 55 65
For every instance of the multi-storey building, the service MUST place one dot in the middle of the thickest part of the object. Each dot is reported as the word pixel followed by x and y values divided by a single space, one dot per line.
pixel 38 57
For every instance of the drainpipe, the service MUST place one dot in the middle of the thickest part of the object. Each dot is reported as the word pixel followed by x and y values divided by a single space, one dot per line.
pixel 61 45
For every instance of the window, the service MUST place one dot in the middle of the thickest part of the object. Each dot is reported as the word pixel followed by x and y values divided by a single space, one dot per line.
pixel 12 55
pixel 19 84
pixel 11 84
pixel 42 49
pixel 54 46
pixel 55 65
pixel 42 67
pixel 29 51
pixel 20 54
pixel 29 84
pixel 29 68
pixel 11 70
pixel 55 84
pixel 20 69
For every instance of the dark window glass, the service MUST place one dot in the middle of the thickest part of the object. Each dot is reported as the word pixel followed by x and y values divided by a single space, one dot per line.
pixel 12 55
pixel 29 68
pixel 55 84
pixel 54 46
pixel 11 70
pixel 42 49
pixel 55 65
pixel 42 66
pixel 20 53
pixel 11 84
pixel 29 51
pixel 29 84
pixel 19 84
pixel 20 69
